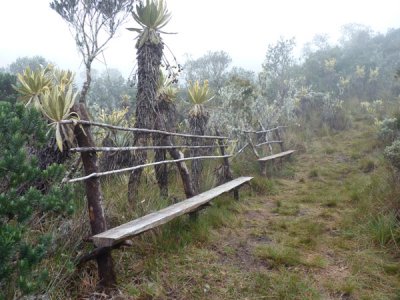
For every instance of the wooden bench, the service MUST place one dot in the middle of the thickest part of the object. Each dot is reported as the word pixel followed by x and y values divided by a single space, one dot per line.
pixel 118 234
pixel 263 160
pixel 272 157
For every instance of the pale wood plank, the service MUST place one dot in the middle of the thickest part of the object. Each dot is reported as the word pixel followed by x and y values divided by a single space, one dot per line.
pixel 281 154
pixel 135 227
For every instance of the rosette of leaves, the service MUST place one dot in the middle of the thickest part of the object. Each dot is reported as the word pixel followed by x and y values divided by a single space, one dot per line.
pixel 198 118
pixel 115 138
pixel 32 84
pixel 63 78
pixel 166 88
pixel 56 105
pixel 198 96
pixel 152 17
pixel 116 118
pixel 51 91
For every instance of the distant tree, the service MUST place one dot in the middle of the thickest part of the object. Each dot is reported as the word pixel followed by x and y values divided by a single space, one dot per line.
pixel 354 33
pixel 238 98
pixel 94 24
pixel 213 66
pixel 275 77
pixel 109 90
pixel 21 63
pixel 7 92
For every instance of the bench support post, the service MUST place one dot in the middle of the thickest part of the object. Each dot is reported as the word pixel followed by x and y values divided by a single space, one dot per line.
pixel 236 194
pixel 279 138
pixel 263 166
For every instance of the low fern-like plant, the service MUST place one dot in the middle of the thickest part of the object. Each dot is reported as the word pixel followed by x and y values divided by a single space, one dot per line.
pixel 26 191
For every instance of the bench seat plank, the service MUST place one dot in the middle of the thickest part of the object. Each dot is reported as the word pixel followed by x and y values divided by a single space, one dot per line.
pixel 281 154
pixel 111 237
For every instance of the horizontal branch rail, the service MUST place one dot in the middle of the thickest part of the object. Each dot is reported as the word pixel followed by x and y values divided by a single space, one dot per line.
pixel 264 131
pixel 242 149
pixel 143 130
pixel 118 149
pixel 100 174
pixel 269 142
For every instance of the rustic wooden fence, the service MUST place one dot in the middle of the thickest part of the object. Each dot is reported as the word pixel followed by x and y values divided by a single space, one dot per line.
pixel 106 240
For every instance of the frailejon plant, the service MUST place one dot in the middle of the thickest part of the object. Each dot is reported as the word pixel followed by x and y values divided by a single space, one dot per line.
pixel 166 89
pixel 22 196
pixel 31 84
pixel 51 91
pixel 198 117
pixel 56 106
pixel 152 17
pixel 115 138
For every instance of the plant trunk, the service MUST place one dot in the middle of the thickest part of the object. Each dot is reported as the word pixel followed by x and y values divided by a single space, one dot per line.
pixel 197 126
pixel 94 197
pixel 227 172
pixel 165 119
pixel 88 81
pixel 149 61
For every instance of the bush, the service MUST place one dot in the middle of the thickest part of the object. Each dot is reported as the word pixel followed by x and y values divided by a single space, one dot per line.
pixel 7 92
pixel 26 191
pixel 392 154
pixel 334 115
pixel 389 130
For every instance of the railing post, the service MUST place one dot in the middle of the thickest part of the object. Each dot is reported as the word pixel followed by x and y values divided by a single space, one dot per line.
pixel 279 138
pixel 227 168
pixel 94 198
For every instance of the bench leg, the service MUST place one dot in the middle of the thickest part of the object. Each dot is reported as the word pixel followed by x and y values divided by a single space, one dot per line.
pixel 236 194
pixel 193 215
pixel 263 166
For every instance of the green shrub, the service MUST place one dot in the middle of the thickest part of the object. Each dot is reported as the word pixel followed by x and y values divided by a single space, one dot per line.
pixel 334 115
pixel 313 173
pixel 392 154
pixel 26 191
pixel 389 130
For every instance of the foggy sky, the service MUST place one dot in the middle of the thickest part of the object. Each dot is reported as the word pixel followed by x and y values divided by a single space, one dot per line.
pixel 242 28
